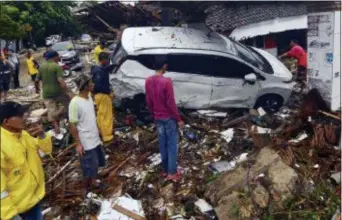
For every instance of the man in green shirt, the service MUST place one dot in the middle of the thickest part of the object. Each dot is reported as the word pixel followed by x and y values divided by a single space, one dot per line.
pixel 55 90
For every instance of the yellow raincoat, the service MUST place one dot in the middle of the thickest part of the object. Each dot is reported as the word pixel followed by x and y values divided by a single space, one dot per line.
pixel 97 52
pixel 22 175
pixel 104 117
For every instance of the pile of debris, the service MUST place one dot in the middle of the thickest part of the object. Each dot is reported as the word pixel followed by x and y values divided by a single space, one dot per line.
pixel 244 163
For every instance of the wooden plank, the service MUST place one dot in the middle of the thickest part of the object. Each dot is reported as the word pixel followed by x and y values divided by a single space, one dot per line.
pixel 127 212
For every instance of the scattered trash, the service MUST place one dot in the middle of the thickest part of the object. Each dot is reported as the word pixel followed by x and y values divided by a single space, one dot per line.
pixel 228 134
pixel 299 138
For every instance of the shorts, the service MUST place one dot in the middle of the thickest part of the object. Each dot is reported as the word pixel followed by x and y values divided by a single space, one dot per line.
pixel 56 106
pixel 91 161
pixel 4 86
pixel 33 77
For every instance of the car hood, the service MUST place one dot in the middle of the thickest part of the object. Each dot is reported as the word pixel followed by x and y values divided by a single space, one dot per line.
pixel 66 53
pixel 278 67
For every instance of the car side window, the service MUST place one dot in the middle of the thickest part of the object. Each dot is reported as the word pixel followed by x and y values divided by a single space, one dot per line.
pixel 182 63
pixel 191 63
pixel 230 68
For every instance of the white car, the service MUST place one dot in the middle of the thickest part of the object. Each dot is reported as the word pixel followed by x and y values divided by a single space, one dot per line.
pixel 208 70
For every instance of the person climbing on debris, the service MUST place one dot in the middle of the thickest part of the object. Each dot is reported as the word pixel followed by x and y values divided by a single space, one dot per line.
pixel 103 97
pixel 299 53
pixel 161 103
pixel 5 78
pixel 84 129
pixel 55 90
pixel 22 174
pixel 99 49
pixel 32 65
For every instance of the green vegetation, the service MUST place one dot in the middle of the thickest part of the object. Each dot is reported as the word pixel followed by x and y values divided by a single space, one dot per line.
pixel 37 20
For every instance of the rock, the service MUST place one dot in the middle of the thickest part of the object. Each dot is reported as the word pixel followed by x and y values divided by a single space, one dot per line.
pixel 282 177
pixel 261 196
pixel 336 177
pixel 229 181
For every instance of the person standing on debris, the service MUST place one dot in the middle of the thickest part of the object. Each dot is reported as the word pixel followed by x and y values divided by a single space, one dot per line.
pixel 47 50
pixel 22 174
pixel 103 97
pixel 161 103
pixel 32 66
pixel 299 53
pixel 13 61
pixel 84 129
pixel 5 78
pixel 99 49
pixel 55 90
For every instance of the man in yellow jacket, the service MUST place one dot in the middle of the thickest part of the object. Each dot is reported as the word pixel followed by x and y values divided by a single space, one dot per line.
pixel 99 49
pixel 32 66
pixel 22 175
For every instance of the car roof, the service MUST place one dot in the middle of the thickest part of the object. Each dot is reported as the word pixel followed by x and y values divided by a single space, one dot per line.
pixel 146 38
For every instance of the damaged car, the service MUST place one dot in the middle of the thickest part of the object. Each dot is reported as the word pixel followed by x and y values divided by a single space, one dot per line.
pixel 68 54
pixel 208 70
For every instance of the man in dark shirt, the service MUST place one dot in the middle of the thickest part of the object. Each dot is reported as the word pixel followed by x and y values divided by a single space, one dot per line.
pixel 5 78
pixel 103 97
pixel 161 102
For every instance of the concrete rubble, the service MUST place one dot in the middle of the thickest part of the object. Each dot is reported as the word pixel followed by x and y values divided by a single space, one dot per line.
pixel 235 165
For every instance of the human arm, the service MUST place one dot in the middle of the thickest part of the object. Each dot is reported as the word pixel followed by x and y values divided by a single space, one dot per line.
pixel 61 82
pixel 42 140
pixel 171 102
pixel 73 118
pixel 8 209
pixel 149 98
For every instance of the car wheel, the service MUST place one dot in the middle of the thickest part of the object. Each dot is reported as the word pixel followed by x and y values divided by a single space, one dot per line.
pixel 270 103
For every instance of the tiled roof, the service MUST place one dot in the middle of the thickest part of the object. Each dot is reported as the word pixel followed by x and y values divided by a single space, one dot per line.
pixel 223 18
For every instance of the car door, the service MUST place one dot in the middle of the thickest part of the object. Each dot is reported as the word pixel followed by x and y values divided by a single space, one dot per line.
pixel 229 87
pixel 191 76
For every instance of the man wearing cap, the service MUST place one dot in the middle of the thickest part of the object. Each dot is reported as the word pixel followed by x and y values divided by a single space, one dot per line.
pixel 22 176
pixel 103 97
pixel 98 49
pixel 83 128
pixel 55 90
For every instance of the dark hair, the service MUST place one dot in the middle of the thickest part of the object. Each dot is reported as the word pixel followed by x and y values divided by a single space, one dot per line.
pixel 294 41
pixel 160 61
pixel 103 56
pixel 102 42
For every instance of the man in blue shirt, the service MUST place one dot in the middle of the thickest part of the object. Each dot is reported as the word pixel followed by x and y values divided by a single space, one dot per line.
pixel 103 97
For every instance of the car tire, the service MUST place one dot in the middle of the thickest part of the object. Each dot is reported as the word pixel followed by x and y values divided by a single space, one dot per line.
pixel 270 103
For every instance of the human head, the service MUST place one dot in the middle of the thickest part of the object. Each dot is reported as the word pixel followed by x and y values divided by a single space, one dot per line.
pixel 12 116
pixel 104 58
pixel 160 63
pixel 102 44
pixel 84 83
pixel 29 54
pixel 293 43
pixel 53 55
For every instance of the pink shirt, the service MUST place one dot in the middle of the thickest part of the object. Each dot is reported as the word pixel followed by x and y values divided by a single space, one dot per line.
pixel 299 53
pixel 160 98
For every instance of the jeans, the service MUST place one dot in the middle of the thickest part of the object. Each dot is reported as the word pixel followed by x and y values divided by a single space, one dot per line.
pixel 35 213
pixel 168 141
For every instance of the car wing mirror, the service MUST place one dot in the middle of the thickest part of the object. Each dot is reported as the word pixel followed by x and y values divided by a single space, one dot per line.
pixel 250 78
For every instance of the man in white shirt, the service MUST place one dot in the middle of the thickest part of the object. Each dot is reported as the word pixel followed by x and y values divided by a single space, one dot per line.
pixel 85 132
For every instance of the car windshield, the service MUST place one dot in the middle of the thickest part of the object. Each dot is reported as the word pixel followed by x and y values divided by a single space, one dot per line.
pixel 252 57
pixel 119 55
pixel 61 46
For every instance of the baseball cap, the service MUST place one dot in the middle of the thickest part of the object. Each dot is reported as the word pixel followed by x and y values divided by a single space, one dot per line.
pixel 51 54
pixel 82 80
pixel 11 109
